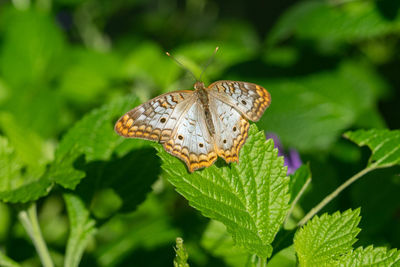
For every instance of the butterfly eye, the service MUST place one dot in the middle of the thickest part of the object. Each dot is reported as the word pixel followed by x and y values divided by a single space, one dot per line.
pixel 201 145
pixel 234 129
pixel 180 137
pixel 225 141
pixel 244 102
pixel 162 120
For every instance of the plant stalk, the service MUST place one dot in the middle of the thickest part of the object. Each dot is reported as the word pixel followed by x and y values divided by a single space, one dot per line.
pixel 262 262
pixel 297 198
pixel 334 194
pixel 29 220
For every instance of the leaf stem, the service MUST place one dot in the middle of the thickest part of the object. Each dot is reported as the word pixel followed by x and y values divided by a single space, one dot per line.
pixel 262 262
pixel 294 202
pixel 332 195
pixel 29 220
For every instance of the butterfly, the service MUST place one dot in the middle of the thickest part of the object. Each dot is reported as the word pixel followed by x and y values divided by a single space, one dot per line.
pixel 198 126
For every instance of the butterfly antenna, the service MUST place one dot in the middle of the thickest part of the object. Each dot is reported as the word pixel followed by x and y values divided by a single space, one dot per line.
pixel 180 64
pixel 210 60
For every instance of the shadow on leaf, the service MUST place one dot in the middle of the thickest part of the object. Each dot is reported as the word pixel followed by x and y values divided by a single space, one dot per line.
pixel 129 177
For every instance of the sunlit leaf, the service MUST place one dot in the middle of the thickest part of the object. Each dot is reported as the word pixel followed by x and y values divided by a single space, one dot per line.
pixel 37 52
pixel 284 258
pixel 371 256
pixel 249 198
pixel 92 137
pixel 324 239
pixel 88 75
pixel 17 182
pixel 385 145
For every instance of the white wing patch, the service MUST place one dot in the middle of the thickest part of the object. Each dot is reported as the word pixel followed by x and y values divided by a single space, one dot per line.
pixel 191 141
pixel 230 130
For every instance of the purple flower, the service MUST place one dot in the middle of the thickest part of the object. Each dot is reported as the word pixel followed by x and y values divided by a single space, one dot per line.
pixel 291 158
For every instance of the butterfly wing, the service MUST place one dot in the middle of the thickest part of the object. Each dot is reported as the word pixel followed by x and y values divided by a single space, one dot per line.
pixel 191 140
pixel 230 130
pixel 248 98
pixel 155 119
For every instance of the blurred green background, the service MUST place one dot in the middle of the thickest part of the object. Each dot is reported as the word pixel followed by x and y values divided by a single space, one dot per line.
pixel 330 66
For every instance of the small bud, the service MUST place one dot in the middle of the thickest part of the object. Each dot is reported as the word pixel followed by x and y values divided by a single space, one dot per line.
pixel 181 255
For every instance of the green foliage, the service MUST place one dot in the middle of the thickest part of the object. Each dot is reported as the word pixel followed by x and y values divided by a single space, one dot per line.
pixel 324 239
pixel 7 262
pixel 284 258
pixel 37 51
pixel 87 74
pixel 249 198
pixel 336 21
pixel 147 228
pixel 70 68
pixel 385 146
pixel 327 241
pixel 82 229
pixel 92 137
pixel 18 184
pixel 220 244
pixel 371 256
pixel 319 107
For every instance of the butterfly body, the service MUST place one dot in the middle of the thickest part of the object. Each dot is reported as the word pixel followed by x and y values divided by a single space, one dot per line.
pixel 203 98
pixel 198 126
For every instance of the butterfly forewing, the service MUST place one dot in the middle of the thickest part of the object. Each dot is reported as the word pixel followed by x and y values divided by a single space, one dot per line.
pixel 248 98
pixel 155 119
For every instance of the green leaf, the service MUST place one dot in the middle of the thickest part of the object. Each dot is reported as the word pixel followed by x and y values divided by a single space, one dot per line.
pixel 92 137
pixel 319 107
pixel 88 74
pixel 30 148
pixel 324 239
pixel 217 241
pixel 149 62
pixel 146 228
pixel 284 258
pixel 249 198
pixel 385 146
pixel 129 177
pixel 372 257
pixel 181 255
pixel 82 229
pixel 37 51
pixel 17 182
pixel 6 261
pixel 351 21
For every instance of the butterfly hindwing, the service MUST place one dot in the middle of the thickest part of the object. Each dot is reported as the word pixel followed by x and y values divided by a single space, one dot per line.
pixel 155 119
pixel 248 98
pixel 191 140
pixel 230 130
